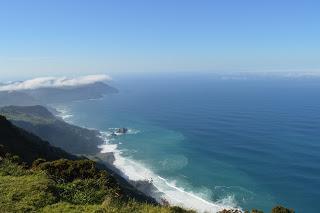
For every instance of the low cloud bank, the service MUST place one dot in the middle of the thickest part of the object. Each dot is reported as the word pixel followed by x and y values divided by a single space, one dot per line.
pixel 54 82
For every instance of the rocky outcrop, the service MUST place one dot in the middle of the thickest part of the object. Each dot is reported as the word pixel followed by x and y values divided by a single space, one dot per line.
pixel 122 131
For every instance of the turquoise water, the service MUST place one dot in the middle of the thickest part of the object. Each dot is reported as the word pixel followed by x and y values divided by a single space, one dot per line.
pixel 246 143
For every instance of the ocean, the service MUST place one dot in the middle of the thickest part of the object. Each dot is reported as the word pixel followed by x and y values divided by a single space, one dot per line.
pixel 209 142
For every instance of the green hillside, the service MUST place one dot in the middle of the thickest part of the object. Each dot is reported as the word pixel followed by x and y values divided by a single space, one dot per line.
pixel 41 122
pixel 26 145
pixel 37 177
pixel 64 185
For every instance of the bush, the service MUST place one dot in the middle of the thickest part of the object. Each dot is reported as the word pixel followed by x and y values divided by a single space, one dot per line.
pixel 281 209
pixel 256 211
pixel 7 167
pixel 66 171
pixel 69 170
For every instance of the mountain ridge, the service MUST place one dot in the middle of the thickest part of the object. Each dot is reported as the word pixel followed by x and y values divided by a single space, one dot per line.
pixel 41 122
pixel 42 96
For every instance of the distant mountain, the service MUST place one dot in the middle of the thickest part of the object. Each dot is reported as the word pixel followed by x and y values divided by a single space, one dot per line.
pixel 16 98
pixel 39 121
pixel 91 91
pixel 43 96
pixel 28 146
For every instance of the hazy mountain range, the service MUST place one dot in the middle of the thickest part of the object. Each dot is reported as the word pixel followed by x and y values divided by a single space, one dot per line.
pixel 44 91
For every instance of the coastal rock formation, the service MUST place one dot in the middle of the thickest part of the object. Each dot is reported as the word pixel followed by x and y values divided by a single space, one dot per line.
pixel 41 122
pixel 122 130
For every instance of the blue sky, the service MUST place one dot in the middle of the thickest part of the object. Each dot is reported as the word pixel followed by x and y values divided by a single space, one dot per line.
pixel 59 37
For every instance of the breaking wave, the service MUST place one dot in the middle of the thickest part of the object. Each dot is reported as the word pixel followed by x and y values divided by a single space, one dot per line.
pixel 158 187
pixel 153 185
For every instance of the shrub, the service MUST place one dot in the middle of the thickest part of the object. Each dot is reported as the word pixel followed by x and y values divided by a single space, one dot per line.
pixel 7 167
pixel 281 209
pixel 256 211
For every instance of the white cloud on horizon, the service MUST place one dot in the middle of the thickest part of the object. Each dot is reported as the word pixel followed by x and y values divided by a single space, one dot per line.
pixel 54 82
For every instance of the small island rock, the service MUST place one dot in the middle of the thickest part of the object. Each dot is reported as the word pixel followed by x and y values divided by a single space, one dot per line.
pixel 122 130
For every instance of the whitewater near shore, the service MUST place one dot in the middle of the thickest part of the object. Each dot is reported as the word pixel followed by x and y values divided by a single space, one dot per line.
pixel 144 179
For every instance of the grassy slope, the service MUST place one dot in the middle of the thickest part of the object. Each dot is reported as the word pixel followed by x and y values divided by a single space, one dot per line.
pixel 28 146
pixel 38 190
pixel 48 186
pixel 39 121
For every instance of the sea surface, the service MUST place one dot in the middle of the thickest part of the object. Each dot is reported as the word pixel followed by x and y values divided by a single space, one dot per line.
pixel 211 142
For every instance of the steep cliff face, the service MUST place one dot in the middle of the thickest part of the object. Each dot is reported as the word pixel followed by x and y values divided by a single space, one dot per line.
pixel 16 98
pixel 41 122
pixel 62 182
pixel 26 145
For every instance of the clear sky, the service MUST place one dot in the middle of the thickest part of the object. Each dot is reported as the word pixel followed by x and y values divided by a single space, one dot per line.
pixel 68 37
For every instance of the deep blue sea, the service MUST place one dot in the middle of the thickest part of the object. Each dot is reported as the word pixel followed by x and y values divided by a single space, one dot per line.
pixel 206 140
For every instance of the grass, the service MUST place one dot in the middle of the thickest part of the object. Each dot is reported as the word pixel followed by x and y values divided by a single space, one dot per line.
pixel 26 192
pixel 36 190
pixel 71 186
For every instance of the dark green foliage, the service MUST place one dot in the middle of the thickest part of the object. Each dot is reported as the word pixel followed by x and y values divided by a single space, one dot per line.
pixel 256 211
pixel 32 148
pixel 281 209
pixel 41 122
pixel 65 185
pixel 89 191
pixel 9 168
pixel 80 181
pixel 26 145
pixel 37 162
pixel 25 190
pixel 64 170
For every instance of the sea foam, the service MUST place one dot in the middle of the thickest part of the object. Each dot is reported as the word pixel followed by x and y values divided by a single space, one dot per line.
pixel 64 113
pixel 163 189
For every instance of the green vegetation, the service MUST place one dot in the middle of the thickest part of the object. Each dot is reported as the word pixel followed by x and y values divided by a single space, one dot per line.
pixel 65 186
pixel 60 184
pixel 33 114
pixel 37 177
pixel 41 122
pixel 280 209
pixel 277 209
pixel 27 146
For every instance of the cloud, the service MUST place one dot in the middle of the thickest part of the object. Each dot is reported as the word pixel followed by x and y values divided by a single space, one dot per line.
pixel 54 82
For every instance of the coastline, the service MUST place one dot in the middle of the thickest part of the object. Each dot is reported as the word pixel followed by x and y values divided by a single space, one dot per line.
pixel 144 179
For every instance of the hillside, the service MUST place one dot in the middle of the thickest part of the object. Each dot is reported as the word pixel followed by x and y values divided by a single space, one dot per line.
pixel 44 95
pixel 27 146
pixel 66 186
pixel 16 98
pixel 39 121
pixel 54 95
pixel 77 185
pixel 61 182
